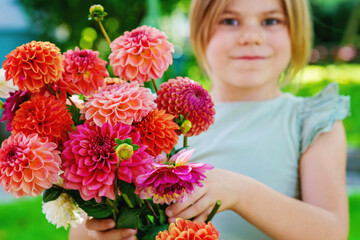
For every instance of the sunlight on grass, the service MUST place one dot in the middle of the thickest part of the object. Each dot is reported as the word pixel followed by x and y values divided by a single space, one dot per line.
pixel 354 207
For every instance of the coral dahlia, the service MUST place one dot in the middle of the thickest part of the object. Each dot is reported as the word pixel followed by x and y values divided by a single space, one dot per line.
pixel 89 160
pixel 28 164
pixel 174 181
pixel 12 104
pixel 85 70
pixel 141 55
pixel 183 96
pixel 33 65
pixel 45 116
pixel 188 230
pixel 126 103
pixel 157 131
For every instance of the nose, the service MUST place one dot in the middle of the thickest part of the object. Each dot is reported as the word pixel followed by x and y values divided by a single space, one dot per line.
pixel 250 34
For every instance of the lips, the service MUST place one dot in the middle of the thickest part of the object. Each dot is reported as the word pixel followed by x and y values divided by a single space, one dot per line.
pixel 250 58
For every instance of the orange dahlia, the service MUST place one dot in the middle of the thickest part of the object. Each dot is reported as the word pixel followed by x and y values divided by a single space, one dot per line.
pixel 85 70
pixel 28 165
pixel 183 96
pixel 188 230
pixel 45 116
pixel 33 65
pixel 157 131
pixel 141 55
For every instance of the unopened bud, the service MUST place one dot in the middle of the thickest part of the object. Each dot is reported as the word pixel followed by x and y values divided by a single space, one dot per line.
pixel 185 126
pixel 1 105
pixel 97 11
pixel 124 151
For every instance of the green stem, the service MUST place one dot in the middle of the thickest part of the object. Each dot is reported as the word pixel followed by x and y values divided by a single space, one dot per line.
pixel 103 31
pixel 116 191
pixel 127 200
pixel 148 205
pixel 51 90
pixel 185 142
pixel 155 86
pixel 213 211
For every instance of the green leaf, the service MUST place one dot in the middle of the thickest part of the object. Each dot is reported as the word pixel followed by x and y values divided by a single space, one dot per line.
pixel 129 218
pixel 75 113
pixel 118 141
pixel 128 141
pixel 135 147
pixel 51 194
pixel 91 207
pixel 163 218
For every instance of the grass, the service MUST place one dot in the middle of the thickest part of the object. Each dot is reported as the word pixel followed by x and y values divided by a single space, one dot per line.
pixel 23 219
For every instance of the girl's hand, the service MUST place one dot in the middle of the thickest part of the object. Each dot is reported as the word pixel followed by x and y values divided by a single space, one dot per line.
pixel 103 229
pixel 219 185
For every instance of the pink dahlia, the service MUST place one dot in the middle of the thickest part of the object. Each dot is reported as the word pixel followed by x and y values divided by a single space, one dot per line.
pixel 85 70
pixel 12 104
pixel 126 103
pixel 141 55
pixel 183 96
pixel 89 160
pixel 33 65
pixel 28 164
pixel 172 182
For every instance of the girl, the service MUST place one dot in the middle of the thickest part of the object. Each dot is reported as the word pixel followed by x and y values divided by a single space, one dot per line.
pixel 280 160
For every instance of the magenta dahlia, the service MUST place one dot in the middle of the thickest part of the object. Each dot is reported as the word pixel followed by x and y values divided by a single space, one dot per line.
pixel 28 164
pixel 174 181
pixel 183 96
pixel 125 102
pixel 12 104
pixel 141 55
pixel 89 160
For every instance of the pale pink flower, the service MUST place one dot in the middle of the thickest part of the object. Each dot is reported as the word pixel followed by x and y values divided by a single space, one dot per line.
pixel 174 181
pixel 141 55
pixel 28 164
pixel 126 103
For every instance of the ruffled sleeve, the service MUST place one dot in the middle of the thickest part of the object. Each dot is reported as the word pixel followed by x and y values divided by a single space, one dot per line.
pixel 319 113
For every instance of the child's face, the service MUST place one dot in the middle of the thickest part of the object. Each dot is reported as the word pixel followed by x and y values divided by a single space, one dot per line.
pixel 250 46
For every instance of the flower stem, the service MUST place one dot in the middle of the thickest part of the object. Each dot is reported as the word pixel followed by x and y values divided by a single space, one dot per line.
pixel 148 205
pixel 127 200
pixel 103 31
pixel 51 90
pixel 213 211
pixel 154 84
pixel 116 191
pixel 185 142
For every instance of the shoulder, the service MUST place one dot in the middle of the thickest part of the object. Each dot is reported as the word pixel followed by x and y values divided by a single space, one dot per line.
pixel 319 113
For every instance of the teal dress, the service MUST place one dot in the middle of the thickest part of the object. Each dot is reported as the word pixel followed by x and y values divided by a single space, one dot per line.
pixel 265 140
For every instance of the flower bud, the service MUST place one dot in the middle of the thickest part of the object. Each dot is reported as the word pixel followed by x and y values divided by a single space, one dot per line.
pixel 1 105
pixel 97 12
pixel 124 151
pixel 185 126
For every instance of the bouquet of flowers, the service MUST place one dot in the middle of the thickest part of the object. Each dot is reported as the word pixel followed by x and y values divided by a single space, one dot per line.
pixel 105 146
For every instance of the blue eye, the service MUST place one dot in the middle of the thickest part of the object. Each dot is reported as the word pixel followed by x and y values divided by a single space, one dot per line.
pixel 230 22
pixel 270 21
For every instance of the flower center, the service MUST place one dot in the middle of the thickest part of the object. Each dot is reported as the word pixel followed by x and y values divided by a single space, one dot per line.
pixel 101 145
pixel 137 36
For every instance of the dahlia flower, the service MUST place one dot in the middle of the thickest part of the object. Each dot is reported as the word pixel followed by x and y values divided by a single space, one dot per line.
pixel 33 65
pixel 89 160
pixel 28 164
pixel 188 230
pixel 6 86
pixel 85 70
pixel 141 55
pixel 12 104
pixel 62 212
pixel 126 103
pixel 183 96
pixel 45 116
pixel 172 182
pixel 157 131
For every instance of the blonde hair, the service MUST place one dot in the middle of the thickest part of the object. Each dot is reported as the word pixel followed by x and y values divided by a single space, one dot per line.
pixel 205 13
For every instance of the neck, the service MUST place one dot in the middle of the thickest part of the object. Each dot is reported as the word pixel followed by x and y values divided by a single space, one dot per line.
pixel 225 93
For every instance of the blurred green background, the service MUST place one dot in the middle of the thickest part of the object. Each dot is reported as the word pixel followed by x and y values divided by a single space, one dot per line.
pixel 335 57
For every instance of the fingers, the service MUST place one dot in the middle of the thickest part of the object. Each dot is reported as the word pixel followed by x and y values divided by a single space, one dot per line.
pixel 99 224
pixel 114 234
pixel 103 229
